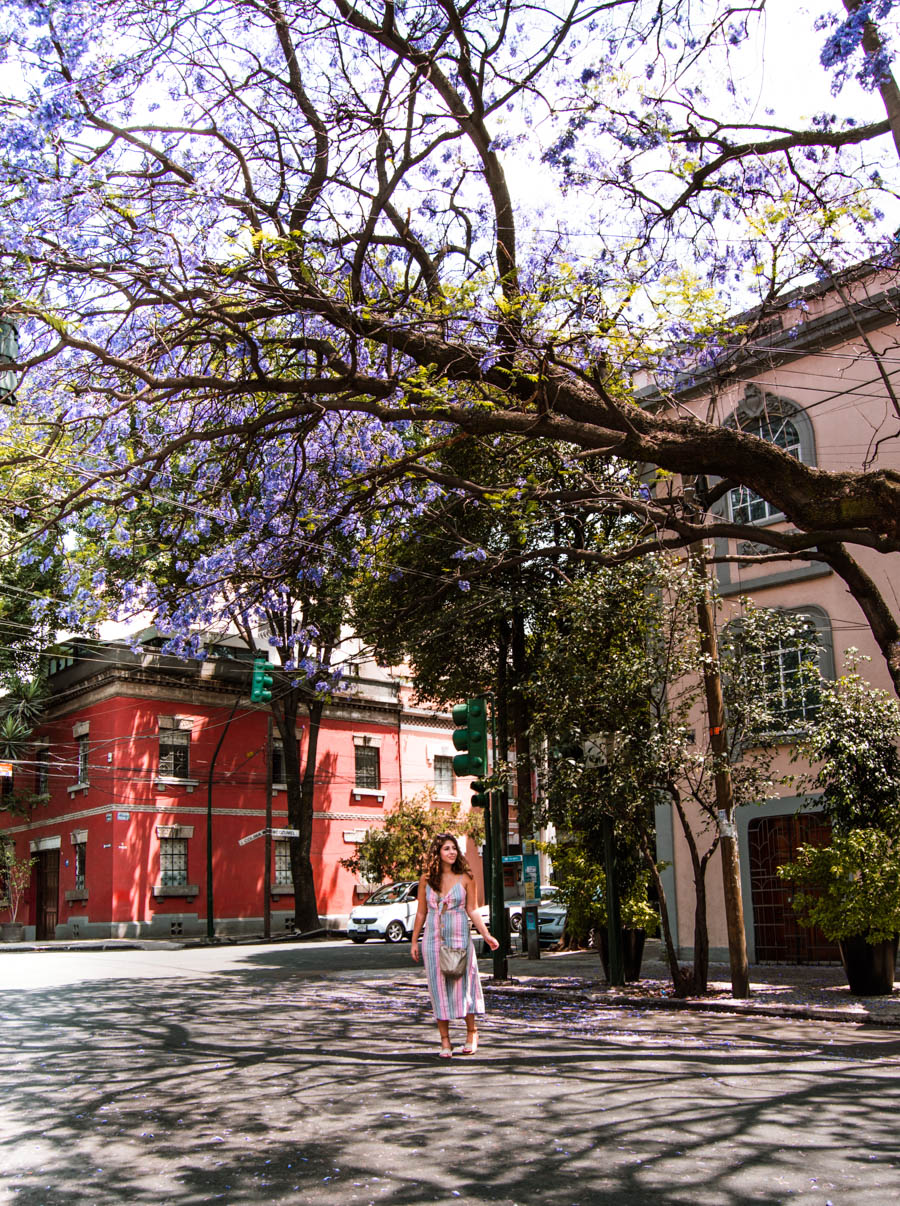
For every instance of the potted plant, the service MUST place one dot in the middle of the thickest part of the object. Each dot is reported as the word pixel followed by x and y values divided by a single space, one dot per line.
pixel 851 891
pixel 851 888
pixel 639 919
pixel 15 876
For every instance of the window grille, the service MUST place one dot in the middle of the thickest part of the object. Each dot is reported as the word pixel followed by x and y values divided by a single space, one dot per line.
pixel 368 767
pixel 83 744
pixel 283 877
pixel 747 507
pixel 278 761
pixel 790 683
pixel 80 849
pixel 173 862
pixel 444 783
pixel 174 753
pixel 42 772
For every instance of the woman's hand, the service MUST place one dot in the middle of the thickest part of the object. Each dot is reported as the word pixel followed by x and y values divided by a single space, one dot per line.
pixel 492 942
pixel 414 950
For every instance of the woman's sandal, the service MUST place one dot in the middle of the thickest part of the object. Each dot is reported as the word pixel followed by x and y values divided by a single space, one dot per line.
pixel 471 1046
pixel 446 1053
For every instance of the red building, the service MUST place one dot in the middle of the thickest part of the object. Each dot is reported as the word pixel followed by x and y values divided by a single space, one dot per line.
pixel 122 775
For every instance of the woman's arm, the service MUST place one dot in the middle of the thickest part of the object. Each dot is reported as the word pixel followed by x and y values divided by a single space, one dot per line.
pixel 475 916
pixel 421 910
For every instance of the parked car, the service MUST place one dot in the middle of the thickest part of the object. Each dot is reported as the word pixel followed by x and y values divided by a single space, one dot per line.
pixel 551 918
pixel 515 909
pixel 388 913
pixel 515 915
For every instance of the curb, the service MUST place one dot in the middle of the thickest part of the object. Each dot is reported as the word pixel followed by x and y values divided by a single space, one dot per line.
pixel 812 1013
pixel 159 944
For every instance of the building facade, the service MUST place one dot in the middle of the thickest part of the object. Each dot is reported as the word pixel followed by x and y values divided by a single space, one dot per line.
pixel 817 378
pixel 139 750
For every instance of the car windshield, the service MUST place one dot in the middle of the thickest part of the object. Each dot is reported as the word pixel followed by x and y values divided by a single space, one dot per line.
pixel 389 894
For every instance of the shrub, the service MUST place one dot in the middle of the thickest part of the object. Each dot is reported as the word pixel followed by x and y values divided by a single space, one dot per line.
pixel 849 888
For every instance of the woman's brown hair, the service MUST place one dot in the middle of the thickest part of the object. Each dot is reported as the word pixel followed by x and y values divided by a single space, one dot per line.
pixel 433 860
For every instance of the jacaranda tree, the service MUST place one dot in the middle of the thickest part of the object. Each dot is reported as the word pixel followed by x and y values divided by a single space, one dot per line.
pixel 229 220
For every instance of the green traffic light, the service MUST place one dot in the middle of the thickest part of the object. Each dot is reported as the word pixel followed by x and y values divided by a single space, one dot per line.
pixel 470 737
pixel 480 797
pixel 261 682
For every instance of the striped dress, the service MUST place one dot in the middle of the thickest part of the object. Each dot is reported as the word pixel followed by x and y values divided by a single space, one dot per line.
pixel 447 918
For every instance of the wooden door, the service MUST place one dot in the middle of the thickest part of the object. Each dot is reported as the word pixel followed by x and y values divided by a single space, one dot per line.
pixel 47 901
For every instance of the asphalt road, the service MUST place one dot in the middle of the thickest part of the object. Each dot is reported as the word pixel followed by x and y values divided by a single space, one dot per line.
pixel 308 1074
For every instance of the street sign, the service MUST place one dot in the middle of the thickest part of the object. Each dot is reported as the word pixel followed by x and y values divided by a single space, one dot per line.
pixel 277 833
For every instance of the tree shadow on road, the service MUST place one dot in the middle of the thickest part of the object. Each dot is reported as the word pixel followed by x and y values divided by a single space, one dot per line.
pixel 245 1088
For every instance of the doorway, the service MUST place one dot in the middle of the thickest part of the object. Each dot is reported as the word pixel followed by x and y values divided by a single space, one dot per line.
pixel 47 894
pixel 779 936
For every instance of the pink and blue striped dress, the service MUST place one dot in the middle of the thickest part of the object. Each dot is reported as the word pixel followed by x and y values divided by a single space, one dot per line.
pixel 447 920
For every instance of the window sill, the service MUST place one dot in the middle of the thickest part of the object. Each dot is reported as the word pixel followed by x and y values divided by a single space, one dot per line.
pixel 359 792
pixel 445 799
pixel 76 896
pixel 164 781
pixel 160 891
pixel 73 787
pixel 282 890
pixel 277 787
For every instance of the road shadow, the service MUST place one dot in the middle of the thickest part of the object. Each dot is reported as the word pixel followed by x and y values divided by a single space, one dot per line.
pixel 247 1088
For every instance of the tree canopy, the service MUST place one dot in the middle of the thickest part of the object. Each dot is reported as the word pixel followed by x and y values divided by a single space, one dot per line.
pixel 226 223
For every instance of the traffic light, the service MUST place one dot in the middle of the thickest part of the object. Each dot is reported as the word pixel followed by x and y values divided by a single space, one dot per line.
pixel 471 737
pixel 480 796
pixel 261 683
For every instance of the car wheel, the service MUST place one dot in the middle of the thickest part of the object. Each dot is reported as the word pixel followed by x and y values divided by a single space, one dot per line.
pixel 515 922
pixel 395 932
pixel 357 938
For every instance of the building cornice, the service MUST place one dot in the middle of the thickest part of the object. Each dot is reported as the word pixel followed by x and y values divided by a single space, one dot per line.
pixel 782 346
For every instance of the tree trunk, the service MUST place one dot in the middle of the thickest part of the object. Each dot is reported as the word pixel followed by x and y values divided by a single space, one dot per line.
pixel 503 723
pixel 682 977
pixel 872 603
pixel 521 727
pixel 300 799
pixel 696 982
pixel 718 740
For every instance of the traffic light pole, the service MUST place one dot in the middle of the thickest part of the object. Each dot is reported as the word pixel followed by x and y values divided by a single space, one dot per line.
pixel 613 914
pixel 498 912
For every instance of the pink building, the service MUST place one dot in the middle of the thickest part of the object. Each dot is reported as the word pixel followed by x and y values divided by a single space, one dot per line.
pixel 816 379
pixel 122 768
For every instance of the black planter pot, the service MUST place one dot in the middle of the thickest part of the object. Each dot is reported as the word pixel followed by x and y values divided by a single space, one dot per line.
pixel 632 948
pixel 869 966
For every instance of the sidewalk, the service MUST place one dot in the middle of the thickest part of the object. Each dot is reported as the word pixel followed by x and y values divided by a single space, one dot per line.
pixel 789 991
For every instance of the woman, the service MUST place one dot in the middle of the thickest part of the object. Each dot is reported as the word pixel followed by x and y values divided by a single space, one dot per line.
pixel 446 906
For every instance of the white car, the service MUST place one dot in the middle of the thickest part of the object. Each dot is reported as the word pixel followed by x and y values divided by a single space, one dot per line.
pixel 388 913
pixel 515 908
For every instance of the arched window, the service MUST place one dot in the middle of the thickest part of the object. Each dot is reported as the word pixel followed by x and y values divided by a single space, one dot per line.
pixel 781 422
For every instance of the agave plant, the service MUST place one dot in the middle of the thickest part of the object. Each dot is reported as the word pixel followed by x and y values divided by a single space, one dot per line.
pixel 25 700
pixel 15 735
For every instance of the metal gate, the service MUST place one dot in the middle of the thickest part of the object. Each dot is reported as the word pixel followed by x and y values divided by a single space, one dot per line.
pixel 47 896
pixel 779 937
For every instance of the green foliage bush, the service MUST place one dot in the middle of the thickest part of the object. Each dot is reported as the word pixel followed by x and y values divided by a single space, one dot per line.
pixel 15 876
pixel 854 745
pixel 397 850
pixel 580 881
pixel 849 888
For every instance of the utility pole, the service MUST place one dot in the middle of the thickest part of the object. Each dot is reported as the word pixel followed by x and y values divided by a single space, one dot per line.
pixel 718 739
